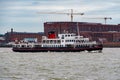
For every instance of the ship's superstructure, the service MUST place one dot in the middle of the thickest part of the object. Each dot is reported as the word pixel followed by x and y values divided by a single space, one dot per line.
pixel 67 40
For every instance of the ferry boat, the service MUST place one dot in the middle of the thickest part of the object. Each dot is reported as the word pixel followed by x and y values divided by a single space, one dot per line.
pixel 65 42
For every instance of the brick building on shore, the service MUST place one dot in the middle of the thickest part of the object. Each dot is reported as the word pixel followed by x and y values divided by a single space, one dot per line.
pixel 108 34
pixel 105 33
pixel 19 36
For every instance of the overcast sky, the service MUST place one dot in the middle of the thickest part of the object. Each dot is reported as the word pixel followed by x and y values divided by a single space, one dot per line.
pixel 21 15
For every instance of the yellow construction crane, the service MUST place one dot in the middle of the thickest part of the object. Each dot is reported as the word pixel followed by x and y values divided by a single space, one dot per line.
pixel 105 18
pixel 71 13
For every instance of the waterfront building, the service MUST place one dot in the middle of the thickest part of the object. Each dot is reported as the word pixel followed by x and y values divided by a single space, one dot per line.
pixel 23 36
pixel 96 31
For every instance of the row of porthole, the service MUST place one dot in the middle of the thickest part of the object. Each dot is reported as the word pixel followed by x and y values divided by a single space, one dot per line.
pixel 51 41
pixel 83 45
pixel 69 35
pixel 52 45
pixel 22 46
pixel 75 41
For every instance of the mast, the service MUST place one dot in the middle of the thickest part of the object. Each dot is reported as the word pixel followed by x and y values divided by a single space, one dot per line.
pixel 78 29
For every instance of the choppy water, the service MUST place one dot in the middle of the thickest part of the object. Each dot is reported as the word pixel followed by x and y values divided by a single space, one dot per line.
pixel 60 66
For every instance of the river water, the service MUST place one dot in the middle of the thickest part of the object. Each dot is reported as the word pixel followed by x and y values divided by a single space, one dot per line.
pixel 60 65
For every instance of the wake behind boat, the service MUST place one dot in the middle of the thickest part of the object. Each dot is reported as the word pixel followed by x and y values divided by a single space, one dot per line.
pixel 66 42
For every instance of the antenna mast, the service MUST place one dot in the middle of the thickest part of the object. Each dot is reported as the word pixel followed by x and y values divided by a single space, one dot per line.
pixel 78 29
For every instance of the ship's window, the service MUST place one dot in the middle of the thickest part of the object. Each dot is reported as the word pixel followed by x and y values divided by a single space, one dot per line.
pixel 29 46
pixel 55 41
pixel 35 45
pixel 43 41
pixel 23 46
pixel 14 45
pixel 67 40
pixel 47 41
pixel 76 37
pixel 68 35
pixel 82 40
pixel 62 36
pixel 77 41
pixel 17 45
pixel 58 41
pixel 60 45
pixel 50 41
